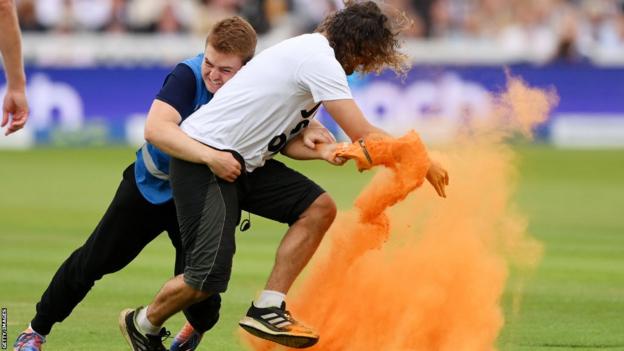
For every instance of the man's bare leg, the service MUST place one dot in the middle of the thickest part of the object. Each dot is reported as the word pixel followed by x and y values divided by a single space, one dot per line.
pixel 266 318
pixel 172 298
pixel 300 242
pixel 142 327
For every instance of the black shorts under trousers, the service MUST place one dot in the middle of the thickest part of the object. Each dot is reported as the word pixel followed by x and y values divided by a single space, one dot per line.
pixel 209 208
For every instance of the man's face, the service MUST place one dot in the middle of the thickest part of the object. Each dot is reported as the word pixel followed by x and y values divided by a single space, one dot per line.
pixel 218 68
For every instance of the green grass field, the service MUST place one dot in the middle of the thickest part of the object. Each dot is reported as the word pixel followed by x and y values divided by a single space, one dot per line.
pixel 50 199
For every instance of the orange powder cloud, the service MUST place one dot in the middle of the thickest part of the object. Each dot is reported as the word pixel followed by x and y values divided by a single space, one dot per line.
pixel 407 270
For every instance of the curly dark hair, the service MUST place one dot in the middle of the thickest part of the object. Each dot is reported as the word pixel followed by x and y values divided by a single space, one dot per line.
pixel 365 38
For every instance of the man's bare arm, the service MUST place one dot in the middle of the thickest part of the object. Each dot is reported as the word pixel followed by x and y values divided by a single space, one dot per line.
pixel 351 119
pixel 14 104
pixel 11 45
pixel 298 150
pixel 163 131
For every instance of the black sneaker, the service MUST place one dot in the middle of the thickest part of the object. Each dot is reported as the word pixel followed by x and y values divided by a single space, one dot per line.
pixel 137 340
pixel 277 325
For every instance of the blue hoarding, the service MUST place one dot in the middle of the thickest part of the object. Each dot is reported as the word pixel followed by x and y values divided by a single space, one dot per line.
pixel 102 105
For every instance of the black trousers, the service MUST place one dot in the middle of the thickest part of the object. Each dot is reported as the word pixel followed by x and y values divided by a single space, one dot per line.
pixel 129 224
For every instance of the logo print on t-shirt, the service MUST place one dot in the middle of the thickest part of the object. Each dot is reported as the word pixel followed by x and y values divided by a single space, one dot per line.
pixel 279 141
pixel 306 114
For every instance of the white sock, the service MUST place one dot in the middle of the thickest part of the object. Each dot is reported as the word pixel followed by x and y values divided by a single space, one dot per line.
pixel 30 329
pixel 270 298
pixel 144 325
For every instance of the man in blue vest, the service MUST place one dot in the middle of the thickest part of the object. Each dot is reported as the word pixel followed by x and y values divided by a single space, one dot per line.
pixel 143 207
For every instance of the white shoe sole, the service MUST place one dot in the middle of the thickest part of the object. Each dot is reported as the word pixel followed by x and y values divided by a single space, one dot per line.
pixel 123 327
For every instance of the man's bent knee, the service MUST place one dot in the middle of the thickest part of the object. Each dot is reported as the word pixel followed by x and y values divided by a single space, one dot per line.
pixel 204 315
pixel 322 209
pixel 326 207
pixel 195 295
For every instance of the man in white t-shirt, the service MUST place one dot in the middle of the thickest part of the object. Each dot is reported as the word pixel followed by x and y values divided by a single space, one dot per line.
pixel 269 102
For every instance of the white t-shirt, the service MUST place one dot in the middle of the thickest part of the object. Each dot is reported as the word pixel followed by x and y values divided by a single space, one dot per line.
pixel 271 99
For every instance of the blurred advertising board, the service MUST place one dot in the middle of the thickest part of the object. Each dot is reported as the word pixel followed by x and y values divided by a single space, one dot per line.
pixel 86 106
pixel 91 106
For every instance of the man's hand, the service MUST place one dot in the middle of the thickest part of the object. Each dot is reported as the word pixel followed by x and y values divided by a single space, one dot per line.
pixel 438 177
pixel 328 153
pixel 316 134
pixel 224 165
pixel 15 110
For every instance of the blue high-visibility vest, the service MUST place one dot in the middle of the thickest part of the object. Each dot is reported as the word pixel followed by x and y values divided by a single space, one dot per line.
pixel 151 169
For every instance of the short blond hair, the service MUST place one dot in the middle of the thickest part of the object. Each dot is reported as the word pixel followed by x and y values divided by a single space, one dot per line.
pixel 233 35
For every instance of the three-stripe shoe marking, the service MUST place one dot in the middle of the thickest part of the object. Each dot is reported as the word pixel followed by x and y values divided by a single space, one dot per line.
pixel 276 320
pixel 277 325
